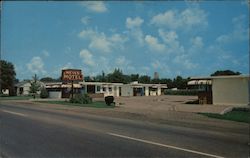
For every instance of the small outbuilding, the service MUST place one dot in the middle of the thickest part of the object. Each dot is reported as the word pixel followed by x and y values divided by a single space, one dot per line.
pixel 222 90
pixel 230 90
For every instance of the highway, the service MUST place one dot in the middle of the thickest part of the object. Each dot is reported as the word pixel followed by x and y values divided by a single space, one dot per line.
pixel 34 132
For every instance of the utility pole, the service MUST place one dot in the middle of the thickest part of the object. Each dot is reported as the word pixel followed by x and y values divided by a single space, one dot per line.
pixel 1 11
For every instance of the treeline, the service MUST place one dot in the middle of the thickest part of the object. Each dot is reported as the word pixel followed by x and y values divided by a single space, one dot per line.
pixel 118 76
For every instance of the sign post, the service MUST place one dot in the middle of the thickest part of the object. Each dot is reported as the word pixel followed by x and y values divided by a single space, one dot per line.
pixel 72 75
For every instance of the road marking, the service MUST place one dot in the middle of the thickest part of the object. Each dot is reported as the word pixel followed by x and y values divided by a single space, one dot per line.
pixel 14 113
pixel 164 145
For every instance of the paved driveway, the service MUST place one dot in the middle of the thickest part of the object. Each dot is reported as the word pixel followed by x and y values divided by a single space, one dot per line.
pixel 166 103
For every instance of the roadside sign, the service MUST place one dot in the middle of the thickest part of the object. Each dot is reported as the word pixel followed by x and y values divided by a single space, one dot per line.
pixel 72 75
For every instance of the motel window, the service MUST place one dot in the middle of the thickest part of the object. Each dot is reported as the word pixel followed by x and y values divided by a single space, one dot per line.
pixel 98 88
pixel 104 89
pixel 110 89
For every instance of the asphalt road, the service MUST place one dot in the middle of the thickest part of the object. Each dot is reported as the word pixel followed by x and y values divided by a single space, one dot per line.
pixel 34 132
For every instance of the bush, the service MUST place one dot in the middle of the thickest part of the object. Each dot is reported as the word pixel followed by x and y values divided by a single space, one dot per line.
pixel 241 109
pixel 81 99
pixel 109 100
pixel 181 92
pixel 44 93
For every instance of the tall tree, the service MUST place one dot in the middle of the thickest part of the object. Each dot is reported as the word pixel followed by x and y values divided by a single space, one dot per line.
pixel 47 79
pixel 225 73
pixel 134 77
pixel 7 76
pixel 144 79
pixel 35 86
pixel 180 83
pixel 116 76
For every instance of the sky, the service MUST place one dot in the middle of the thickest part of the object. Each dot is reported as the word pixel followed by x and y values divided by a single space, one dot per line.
pixel 169 37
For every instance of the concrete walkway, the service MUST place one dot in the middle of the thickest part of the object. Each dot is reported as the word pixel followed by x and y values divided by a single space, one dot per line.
pixel 168 103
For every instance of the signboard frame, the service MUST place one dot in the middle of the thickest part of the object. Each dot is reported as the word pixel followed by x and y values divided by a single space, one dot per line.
pixel 71 75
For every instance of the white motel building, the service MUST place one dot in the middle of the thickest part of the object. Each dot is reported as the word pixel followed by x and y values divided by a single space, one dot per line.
pixel 223 90
pixel 102 89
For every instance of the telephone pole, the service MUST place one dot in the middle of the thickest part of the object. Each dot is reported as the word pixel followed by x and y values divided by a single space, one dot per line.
pixel 1 11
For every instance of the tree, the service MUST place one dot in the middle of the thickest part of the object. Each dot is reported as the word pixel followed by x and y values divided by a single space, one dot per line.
pixel 35 86
pixel 116 76
pixel 134 77
pixel 180 83
pixel 7 76
pixel 167 81
pixel 225 73
pixel 47 79
pixel 155 81
pixel 144 79
pixel 101 78
pixel 44 93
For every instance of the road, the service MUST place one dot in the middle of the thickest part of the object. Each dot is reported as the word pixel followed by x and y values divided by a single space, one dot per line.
pixel 34 132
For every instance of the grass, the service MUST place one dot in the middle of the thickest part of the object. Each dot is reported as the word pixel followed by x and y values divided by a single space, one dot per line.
pixel 237 114
pixel 97 104
pixel 15 97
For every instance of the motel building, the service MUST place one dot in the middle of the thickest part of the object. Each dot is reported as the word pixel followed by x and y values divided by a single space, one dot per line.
pixel 103 89
pixel 73 79
pixel 222 90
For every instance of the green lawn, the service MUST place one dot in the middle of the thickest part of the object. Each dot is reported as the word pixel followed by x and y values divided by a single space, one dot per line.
pixel 97 104
pixel 237 114
pixel 15 97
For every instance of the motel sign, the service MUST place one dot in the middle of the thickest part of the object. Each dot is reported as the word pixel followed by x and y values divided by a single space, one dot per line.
pixel 72 75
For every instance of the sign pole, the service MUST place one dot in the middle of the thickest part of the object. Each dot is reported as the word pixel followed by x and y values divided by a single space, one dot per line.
pixel 72 75
pixel 72 89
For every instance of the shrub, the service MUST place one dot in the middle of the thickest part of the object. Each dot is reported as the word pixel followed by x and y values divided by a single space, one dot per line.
pixel 109 100
pixel 81 99
pixel 44 93
pixel 180 92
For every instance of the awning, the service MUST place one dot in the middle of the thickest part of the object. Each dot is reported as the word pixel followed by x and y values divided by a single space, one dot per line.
pixel 69 86
pixel 200 82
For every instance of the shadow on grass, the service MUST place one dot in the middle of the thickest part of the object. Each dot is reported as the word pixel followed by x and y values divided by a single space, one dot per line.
pixel 237 114
pixel 96 104
pixel 15 97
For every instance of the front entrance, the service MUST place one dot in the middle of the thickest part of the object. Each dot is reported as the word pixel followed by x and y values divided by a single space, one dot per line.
pixel 91 89
pixel 138 92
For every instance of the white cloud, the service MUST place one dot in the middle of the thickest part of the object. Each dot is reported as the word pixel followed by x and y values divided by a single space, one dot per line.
pixel 144 70
pixel 124 64
pixel 184 62
pixel 121 61
pixel 240 31
pixel 95 6
pixel 156 64
pixel 160 66
pixel 171 40
pixel 87 57
pixel 36 65
pixel 185 19
pixel 197 42
pixel 67 66
pixel 196 45
pixel 134 23
pixel 85 20
pixel 154 44
pixel 100 42
pixel 89 33
pixel 45 53
pixel 134 26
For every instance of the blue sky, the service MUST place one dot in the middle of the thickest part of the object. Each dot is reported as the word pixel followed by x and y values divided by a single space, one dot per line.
pixel 171 38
